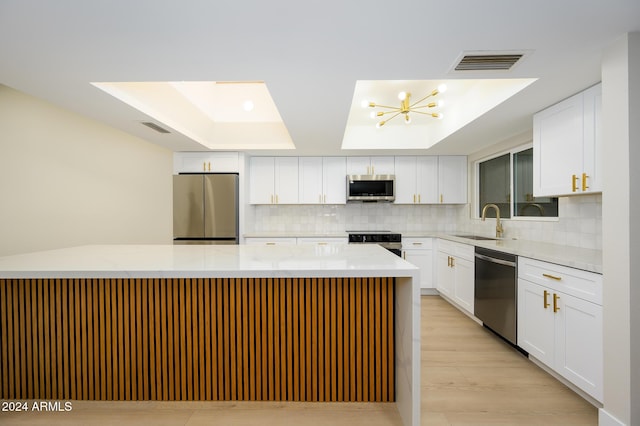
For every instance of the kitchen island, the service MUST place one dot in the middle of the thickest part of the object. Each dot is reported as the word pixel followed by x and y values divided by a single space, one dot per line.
pixel 163 322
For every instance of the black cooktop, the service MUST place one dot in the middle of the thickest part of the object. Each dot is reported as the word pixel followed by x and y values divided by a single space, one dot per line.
pixel 374 237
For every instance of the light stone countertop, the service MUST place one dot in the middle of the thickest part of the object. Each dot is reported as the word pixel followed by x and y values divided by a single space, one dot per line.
pixel 575 257
pixel 204 261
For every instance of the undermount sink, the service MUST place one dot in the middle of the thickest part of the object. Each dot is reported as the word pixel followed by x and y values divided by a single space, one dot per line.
pixel 476 237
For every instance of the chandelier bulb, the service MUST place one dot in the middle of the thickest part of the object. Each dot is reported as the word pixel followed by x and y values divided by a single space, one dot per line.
pixel 364 103
pixel 442 88
pixel 402 96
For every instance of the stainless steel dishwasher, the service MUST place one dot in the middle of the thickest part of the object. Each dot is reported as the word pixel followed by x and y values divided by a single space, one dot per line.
pixel 496 292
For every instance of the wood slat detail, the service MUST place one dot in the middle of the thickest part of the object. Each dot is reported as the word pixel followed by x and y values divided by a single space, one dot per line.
pixel 296 339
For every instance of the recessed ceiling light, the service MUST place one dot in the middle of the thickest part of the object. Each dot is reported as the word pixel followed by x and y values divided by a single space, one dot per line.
pixel 248 105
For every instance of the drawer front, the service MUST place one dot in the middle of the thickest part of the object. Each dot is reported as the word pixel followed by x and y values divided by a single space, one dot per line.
pixel 269 241
pixel 417 243
pixel 576 282
pixel 459 250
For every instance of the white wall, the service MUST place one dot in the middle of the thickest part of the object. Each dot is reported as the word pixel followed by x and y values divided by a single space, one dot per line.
pixel 66 180
pixel 621 232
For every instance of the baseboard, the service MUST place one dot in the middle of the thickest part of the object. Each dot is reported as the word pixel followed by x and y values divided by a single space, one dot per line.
pixel 568 384
pixel 606 419
pixel 429 292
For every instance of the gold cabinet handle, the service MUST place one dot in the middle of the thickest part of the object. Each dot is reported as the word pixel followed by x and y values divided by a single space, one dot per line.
pixel 271 244
pixel 204 166
pixel 546 303
pixel 322 243
pixel 584 182
pixel 414 198
pixel 276 198
pixel 271 198
pixel 324 198
pixel 417 244
pixel 404 255
pixel 449 261
pixel 556 308
pixel 419 199
pixel 553 277
pixel 440 198
pixel 453 262
pixel 574 186
pixel 209 166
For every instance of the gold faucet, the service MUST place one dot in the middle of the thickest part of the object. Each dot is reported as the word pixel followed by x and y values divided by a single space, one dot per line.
pixel 499 229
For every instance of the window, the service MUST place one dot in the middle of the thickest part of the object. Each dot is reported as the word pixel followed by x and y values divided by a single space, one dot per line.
pixel 513 196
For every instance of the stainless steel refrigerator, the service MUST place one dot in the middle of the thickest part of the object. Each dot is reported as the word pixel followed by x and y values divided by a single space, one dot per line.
pixel 205 209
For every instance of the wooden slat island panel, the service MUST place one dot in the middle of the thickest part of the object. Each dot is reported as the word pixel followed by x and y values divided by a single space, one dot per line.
pixel 294 339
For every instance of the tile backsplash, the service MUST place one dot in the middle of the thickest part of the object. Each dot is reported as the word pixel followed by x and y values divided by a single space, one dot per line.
pixel 579 224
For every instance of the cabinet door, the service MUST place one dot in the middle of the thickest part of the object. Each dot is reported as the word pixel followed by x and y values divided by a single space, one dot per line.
pixel 536 321
pixel 358 166
pixel 578 341
pixel 452 179
pixel 310 180
pixel 445 274
pixel 286 180
pixel 261 180
pixel 423 259
pixel 427 179
pixel 406 180
pixel 205 162
pixel 464 285
pixel 592 157
pixel 558 134
pixel 382 166
pixel 334 179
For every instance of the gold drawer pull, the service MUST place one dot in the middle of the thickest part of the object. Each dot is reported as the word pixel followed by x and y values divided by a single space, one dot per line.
pixel 553 277
pixel 555 302
pixel 271 244
pixel 574 186
pixel 584 182
pixel 417 244
pixel 545 303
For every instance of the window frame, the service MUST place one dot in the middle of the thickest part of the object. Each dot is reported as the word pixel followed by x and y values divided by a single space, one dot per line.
pixel 476 198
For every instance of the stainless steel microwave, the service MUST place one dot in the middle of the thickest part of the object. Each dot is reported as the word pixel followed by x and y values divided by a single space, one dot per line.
pixel 371 188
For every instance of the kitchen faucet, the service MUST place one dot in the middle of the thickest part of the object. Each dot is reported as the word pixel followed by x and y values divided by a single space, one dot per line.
pixel 499 229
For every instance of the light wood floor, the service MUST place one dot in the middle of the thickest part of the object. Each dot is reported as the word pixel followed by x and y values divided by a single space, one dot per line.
pixel 469 377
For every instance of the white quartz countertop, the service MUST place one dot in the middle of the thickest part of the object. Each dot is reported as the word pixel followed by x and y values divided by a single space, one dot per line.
pixel 208 261
pixel 575 257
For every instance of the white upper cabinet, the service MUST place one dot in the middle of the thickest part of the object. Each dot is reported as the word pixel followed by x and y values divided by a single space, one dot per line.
pixel 416 180
pixel 322 180
pixel 567 146
pixel 370 166
pixel 206 162
pixel 452 179
pixel 273 180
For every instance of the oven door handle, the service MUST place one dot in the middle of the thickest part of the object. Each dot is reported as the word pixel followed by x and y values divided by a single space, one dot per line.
pixel 494 260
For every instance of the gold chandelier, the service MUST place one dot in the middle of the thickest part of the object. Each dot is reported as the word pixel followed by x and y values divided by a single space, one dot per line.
pixel 407 107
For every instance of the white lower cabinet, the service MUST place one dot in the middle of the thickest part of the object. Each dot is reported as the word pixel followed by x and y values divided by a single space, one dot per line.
pixel 455 273
pixel 419 251
pixel 265 241
pixel 321 241
pixel 560 321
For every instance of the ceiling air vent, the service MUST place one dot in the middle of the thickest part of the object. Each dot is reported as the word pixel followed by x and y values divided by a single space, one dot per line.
pixel 155 127
pixel 487 62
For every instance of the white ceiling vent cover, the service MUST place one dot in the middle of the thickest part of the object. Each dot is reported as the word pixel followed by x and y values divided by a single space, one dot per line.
pixel 487 61
pixel 155 127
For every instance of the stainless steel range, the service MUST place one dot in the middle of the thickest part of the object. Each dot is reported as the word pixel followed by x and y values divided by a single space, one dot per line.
pixel 390 240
